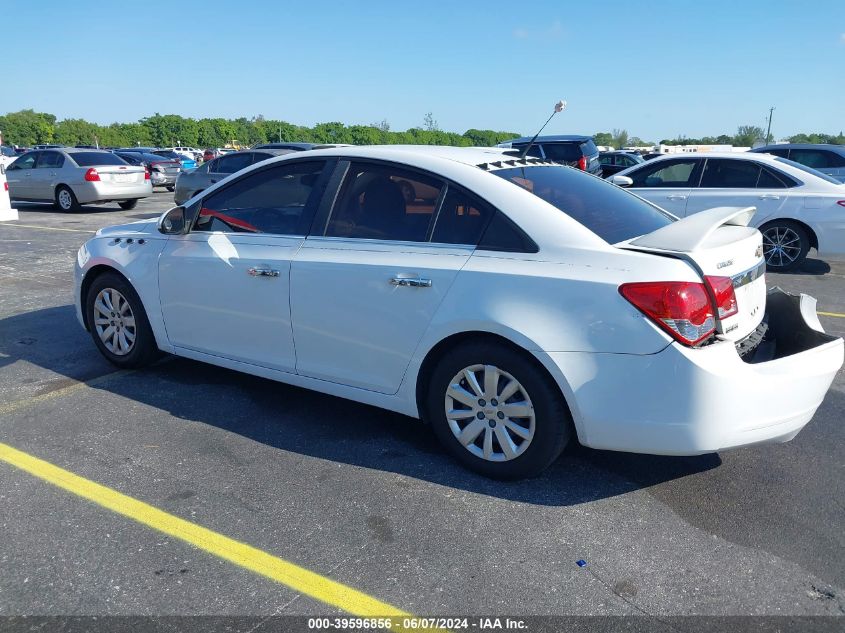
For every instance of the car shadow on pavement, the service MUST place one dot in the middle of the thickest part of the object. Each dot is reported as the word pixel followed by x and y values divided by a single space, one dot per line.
pixel 309 423
pixel 38 207
pixel 811 267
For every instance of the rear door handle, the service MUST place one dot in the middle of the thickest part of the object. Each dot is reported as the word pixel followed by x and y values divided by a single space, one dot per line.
pixel 262 272
pixel 676 196
pixel 769 196
pixel 413 282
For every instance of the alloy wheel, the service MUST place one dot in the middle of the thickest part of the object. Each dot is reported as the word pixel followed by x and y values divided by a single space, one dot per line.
pixel 781 246
pixel 65 199
pixel 490 413
pixel 114 322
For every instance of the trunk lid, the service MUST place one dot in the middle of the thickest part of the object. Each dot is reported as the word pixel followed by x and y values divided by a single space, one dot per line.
pixel 719 243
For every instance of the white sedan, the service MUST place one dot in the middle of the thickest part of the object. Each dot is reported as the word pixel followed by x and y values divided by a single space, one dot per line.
pixel 797 207
pixel 525 305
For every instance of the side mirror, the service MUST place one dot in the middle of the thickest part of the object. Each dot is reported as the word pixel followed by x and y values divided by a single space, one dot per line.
pixel 173 222
pixel 621 181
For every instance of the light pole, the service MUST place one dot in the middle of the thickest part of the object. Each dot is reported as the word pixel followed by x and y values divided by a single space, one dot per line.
pixel 769 128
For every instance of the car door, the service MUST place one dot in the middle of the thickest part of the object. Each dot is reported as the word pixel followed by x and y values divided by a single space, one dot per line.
pixel 667 182
pixel 368 280
pixel 224 286
pixel 733 182
pixel 45 175
pixel 19 176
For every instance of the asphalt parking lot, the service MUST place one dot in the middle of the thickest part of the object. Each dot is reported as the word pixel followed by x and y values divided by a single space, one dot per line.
pixel 366 498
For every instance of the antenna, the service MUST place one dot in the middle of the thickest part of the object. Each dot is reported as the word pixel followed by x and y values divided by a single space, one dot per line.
pixel 560 106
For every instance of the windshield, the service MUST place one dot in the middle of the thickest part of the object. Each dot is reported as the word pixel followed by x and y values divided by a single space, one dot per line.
pixel 90 159
pixel 809 170
pixel 608 211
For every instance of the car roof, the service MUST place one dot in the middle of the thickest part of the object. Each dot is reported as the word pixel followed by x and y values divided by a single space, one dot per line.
pixel 828 146
pixel 553 138
pixel 473 156
pixel 740 155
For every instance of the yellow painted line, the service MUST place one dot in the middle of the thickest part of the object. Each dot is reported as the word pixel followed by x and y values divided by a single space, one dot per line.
pixel 48 228
pixel 256 560
pixel 11 407
pixel 832 314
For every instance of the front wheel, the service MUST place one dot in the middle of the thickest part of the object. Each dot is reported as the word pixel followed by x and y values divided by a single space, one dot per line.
pixel 785 245
pixel 126 205
pixel 497 412
pixel 118 322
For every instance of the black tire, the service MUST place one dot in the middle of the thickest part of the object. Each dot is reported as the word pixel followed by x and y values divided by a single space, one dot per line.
pixel 171 188
pixel 786 232
pixel 144 349
pixel 127 205
pixel 552 421
pixel 65 199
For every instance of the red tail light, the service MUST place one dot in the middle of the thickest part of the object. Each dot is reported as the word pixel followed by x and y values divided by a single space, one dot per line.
pixel 582 163
pixel 91 175
pixel 723 290
pixel 146 174
pixel 6 186
pixel 681 308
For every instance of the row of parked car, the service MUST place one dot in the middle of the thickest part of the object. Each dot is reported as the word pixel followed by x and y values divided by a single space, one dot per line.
pixel 798 206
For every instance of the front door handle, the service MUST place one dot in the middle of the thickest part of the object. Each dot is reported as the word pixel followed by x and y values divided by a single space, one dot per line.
pixel 262 272
pixel 413 282
pixel 676 196
pixel 769 196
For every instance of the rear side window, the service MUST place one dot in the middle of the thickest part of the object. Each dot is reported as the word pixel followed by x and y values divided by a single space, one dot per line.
pixel 50 160
pixel 666 173
pixel 462 218
pixel 234 162
pixel 817 158
pixel 563 152
pixel 770 179
pixel 608 211
pixel 730 174
pixel 93 159
pixel 534 151
pixel 383 202
pixel 279 200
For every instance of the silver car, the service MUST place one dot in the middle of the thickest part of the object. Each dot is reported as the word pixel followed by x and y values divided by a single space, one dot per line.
pixel 828 159
pixel 70 177
pixel 191 182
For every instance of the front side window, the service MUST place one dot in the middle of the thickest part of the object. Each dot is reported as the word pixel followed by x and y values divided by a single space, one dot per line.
pixel 27 161
pixel 730 174
pixel 667 173
pixel 608 211
pixel 383 202
pixel 279 200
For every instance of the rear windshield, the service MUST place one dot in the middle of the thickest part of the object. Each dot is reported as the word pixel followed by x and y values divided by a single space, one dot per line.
pixel 91 159
pixel 808 170
pixel 608 211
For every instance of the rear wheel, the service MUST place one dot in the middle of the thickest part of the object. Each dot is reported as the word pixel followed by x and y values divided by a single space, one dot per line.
pixel 126 205
pixel 497 412
pixel 65 199
pixel 785 245
pixel 118 322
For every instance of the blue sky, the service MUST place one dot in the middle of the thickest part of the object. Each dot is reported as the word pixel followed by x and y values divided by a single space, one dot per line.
pixel 655 68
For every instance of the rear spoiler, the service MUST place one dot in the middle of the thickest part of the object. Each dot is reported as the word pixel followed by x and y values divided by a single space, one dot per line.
pixel 688 234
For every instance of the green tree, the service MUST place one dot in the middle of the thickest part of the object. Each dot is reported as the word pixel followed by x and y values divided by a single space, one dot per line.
pixel 605 139
pixel 27 127
pixel 620 138
pixel 747 135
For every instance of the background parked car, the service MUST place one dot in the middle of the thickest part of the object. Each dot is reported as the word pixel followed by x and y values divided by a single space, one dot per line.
pixel 300 147
pixel 828 159
pixel 186 161
pixel 70 177
pixel 614 162
pixel 192 182
pixel 190 152
pixel 797 207
pixel 573 150
pixel 163 171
